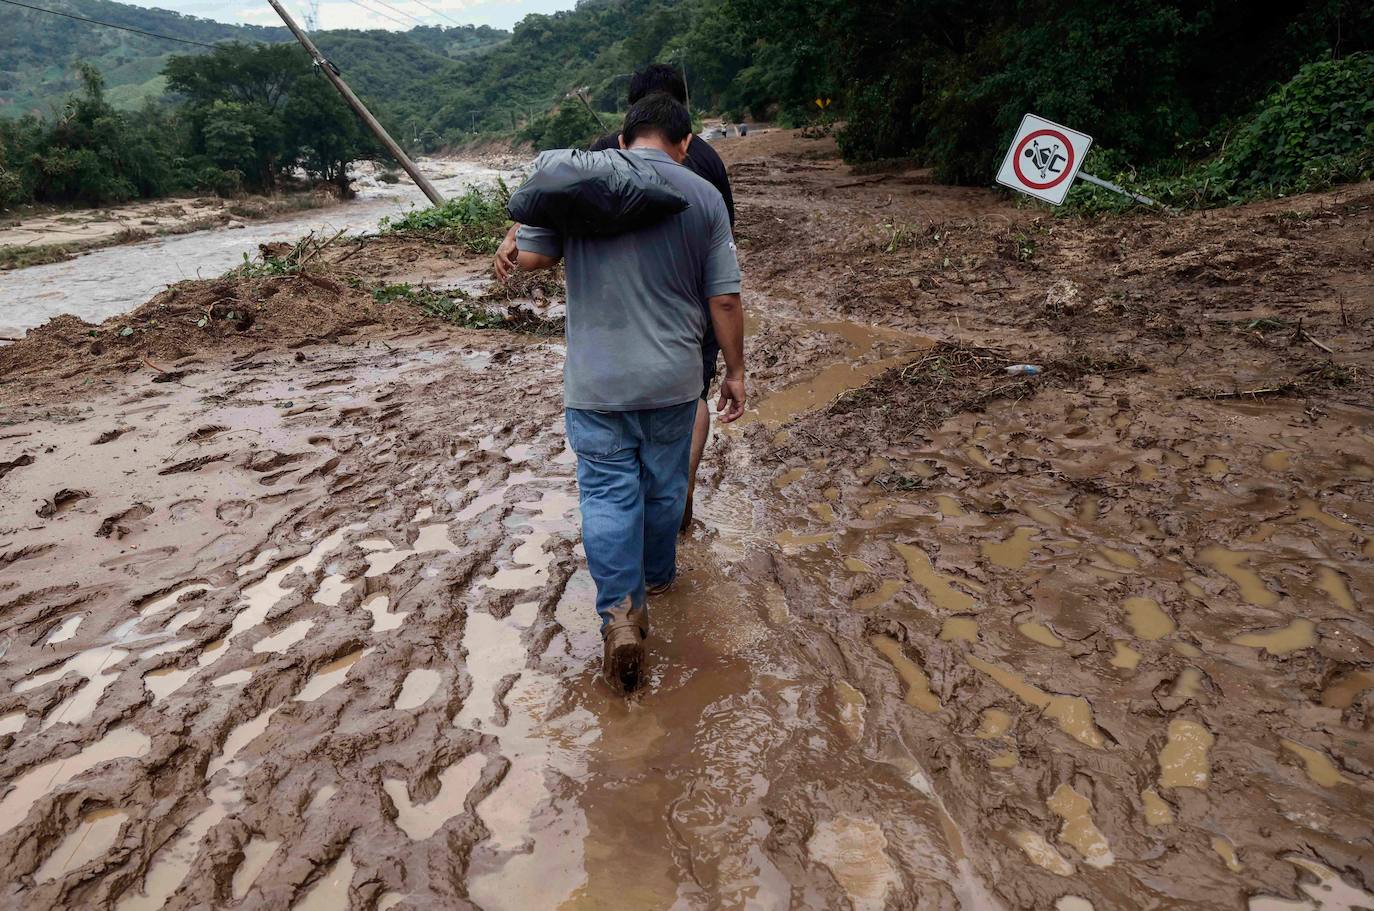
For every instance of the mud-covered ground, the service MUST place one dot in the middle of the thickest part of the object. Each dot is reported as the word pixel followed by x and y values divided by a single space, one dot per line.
pixel 294 613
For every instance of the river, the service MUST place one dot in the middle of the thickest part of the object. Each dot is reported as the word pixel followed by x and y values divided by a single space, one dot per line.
pixel 103 283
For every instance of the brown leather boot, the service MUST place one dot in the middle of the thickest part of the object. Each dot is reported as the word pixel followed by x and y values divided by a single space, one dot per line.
pixel 623 640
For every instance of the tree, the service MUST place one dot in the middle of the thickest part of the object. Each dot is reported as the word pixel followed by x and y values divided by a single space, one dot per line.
pixel 322 134
pixel 91 153
pixel 261 111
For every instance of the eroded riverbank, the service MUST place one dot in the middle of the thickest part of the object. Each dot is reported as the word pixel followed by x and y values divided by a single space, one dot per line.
pixel 110 281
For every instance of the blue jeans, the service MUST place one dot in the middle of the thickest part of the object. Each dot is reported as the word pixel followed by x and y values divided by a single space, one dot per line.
pixel 632 469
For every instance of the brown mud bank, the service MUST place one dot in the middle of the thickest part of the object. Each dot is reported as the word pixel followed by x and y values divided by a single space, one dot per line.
pixel 307 625
pixel 48 237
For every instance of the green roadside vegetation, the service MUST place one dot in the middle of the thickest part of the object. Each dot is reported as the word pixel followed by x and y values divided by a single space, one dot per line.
pixel 1312 132
pixel 475 221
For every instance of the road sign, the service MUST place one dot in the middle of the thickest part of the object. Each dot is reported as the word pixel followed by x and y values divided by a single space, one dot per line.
pixel 1044 159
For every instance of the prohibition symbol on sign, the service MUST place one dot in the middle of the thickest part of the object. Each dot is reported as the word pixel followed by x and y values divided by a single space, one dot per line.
pixel 1046 154
pixel 1043 159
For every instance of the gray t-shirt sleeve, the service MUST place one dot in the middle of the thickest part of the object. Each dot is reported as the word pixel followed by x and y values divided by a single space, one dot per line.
pixel 543 241
pixel 722 266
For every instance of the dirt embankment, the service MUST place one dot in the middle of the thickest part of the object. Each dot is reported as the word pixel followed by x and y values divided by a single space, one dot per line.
pixel 307 625
pixel 54 236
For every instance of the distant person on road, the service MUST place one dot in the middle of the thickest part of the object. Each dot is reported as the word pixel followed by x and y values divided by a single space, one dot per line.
pixel 703 161
pixel 639 305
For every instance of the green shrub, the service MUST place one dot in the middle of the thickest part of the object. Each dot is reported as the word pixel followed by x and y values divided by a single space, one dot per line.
pixel 476 220
pixel 1315 130
pixel 450 306
pixel 1312 132
pixel 571 126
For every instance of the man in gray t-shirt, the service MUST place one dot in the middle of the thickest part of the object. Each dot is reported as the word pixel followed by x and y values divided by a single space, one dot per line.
pixel 632 375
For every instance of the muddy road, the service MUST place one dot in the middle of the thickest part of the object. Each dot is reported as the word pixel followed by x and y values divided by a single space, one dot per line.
pixel 295 615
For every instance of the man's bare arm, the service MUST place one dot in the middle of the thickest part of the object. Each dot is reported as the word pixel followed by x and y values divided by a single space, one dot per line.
pixel 727 317
pixel 531 262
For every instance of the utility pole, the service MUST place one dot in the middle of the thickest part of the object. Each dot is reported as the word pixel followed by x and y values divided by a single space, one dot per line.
pixel 685 90
pixel 582 96
pixel 332 74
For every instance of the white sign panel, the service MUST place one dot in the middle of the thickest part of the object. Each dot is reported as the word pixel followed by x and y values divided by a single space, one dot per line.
pixel 1043 159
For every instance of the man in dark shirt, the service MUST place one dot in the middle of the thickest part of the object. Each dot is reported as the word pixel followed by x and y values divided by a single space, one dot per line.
pixel 703 161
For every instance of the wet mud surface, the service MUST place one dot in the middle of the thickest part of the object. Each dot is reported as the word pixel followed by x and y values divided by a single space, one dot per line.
pixel 308 626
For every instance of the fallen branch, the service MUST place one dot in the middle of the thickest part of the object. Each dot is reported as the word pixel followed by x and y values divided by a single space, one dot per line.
pixel 864 182
pixel 1282 389
pixel 149 363
pixel 1307 335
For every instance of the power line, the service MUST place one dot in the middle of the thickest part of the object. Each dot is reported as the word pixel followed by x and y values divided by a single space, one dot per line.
pixel 437 13
pixel 123 28
pixel 401 11
pixel 355 3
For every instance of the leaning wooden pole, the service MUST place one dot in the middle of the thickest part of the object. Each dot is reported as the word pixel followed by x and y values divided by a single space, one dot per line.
pixel 358 107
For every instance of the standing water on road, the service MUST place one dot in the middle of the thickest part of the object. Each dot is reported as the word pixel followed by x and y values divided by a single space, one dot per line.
pixel 107 282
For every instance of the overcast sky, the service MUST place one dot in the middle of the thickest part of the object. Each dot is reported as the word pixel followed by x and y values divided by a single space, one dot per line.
pixel 346 14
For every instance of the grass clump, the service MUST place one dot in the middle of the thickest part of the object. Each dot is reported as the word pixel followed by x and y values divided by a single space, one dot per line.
pixel 457 307
pixel 476 220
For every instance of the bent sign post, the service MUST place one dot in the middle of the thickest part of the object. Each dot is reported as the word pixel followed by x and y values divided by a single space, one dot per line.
pixel 1044 159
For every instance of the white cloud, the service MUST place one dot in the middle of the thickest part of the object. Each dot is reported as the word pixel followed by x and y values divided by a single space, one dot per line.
pixel 343 14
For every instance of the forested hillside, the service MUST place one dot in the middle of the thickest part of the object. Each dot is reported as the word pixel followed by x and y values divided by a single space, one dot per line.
pixel 40 53
pixel 1206 102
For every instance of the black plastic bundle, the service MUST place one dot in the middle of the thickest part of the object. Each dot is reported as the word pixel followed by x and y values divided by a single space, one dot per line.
pixel 580 193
